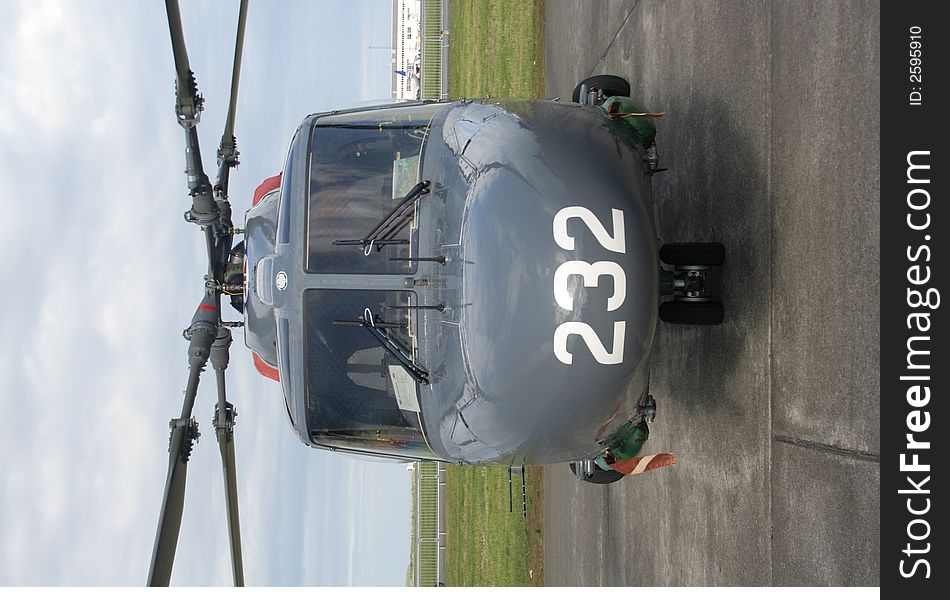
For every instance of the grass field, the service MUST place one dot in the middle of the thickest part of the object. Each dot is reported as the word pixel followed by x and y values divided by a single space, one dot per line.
pixel 496 49
pixel 486 545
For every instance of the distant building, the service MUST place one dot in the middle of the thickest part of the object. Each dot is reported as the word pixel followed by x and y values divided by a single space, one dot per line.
pixel 407 48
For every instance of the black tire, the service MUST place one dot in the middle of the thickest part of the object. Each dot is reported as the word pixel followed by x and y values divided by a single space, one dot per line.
pixel 707 254
pixel 600 476
pixel 688 312
pixel 611 85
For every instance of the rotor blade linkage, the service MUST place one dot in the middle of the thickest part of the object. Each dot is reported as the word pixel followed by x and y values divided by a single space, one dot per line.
pixel 224 419
pixel 184 434
pixel 204 210
pixel 189 102
pixel 188 105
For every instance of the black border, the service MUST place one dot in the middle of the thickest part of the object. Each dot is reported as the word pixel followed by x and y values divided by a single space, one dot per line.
pixel 906 128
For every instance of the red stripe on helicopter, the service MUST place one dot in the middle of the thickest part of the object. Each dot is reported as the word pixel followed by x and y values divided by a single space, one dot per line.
pixel 268 185
pixel 207 307
pixel 265 369
pixel 641 464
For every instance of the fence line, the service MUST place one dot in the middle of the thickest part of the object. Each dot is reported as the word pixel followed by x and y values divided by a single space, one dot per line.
pixel 434 81
pixel 429 531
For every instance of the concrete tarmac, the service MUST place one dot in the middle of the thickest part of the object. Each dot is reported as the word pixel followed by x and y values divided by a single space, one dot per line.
pixel 771 137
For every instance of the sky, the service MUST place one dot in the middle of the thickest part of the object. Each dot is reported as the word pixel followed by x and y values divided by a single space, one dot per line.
pixel 102 274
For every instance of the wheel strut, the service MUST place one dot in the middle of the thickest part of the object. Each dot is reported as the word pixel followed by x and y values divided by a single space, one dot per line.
pixel 692 303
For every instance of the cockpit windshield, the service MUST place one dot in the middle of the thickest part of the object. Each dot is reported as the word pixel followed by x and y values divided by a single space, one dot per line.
pixel 362 166
pixel 359 395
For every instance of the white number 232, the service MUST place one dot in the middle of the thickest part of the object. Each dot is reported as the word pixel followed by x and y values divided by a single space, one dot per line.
pixel 590 275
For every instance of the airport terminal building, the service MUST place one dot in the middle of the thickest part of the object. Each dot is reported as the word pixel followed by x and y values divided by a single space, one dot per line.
pixel 406 48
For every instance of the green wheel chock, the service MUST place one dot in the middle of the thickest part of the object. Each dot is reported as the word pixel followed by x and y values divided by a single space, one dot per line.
pixel 625 448
pixel 642 129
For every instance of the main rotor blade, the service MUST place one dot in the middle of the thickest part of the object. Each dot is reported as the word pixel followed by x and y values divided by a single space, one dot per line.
pixel 184 432
pixel 201 336
pixel 189 104
pixel 226 446
pixel 224 419
pixel 227 151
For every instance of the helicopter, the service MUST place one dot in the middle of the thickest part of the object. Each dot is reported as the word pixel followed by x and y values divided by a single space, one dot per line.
pixel 468 281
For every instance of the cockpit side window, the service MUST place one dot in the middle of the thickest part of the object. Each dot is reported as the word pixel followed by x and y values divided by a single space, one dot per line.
pixel 361 165
pixel 298 147
pixel 358 396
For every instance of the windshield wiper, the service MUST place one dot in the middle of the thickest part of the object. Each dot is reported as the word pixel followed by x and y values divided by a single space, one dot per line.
pixel 384 233
pixel 377 328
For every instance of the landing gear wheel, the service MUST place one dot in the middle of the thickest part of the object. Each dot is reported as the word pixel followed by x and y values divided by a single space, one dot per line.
pixel 611 85
pixel 600 476
pixel 709 254
pixel 692 312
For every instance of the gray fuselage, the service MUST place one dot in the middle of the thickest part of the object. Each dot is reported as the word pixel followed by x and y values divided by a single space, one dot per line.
pixel 541 217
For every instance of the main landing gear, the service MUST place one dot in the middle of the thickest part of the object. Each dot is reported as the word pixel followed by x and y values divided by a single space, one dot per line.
pixel 687 283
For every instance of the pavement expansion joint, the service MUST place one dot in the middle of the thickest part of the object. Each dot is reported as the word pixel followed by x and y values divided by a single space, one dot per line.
pixel 850 453
pixel 593 69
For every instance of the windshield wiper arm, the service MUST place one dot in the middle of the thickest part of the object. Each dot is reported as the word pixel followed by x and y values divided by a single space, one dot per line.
pixel 383 234
pixel 377 328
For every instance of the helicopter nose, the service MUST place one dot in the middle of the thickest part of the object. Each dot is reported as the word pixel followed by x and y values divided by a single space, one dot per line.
pixel 560 304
